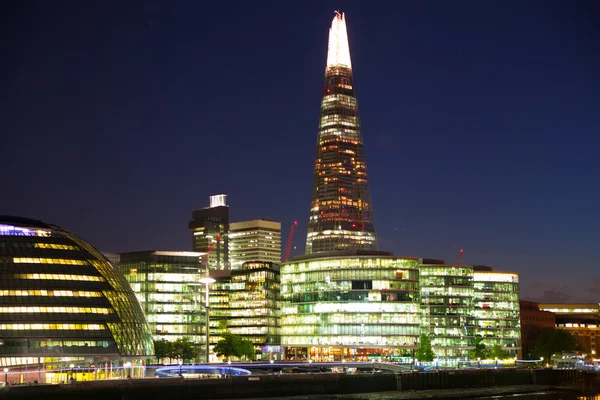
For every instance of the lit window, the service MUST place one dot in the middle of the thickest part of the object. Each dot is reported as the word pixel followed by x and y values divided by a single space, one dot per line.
pixel 34 260
pixel 35 327
pixel 63 277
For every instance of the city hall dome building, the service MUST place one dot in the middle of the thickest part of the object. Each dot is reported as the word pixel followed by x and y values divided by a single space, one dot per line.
pixel 62 301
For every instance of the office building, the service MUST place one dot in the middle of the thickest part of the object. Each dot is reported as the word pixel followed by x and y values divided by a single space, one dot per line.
pixel 62 302
pixel 447 308
pixel 350 305
pixel 246 302
pixel 210 228
pixel 254 241
pixel 341 212
pixel 496 309
pixel 167 284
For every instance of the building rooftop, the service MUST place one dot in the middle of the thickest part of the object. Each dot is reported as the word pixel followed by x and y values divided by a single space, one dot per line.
pixel 345 253
pixel 22 221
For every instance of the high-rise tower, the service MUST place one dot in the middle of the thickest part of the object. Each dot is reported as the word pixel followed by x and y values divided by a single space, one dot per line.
pixel 341 213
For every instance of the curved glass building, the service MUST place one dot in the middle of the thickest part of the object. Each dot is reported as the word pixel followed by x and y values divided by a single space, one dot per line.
pixel 60 300
pixel 350 306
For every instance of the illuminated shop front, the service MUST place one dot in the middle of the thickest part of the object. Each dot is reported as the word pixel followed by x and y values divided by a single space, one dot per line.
pixel 350 305
pixel 496 309
pixel 63 303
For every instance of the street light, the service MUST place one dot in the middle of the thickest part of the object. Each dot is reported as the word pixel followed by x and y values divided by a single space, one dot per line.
pixel 5 376
pixel 207 281
pixel 72 373
pixel 478 362
pixel 180 364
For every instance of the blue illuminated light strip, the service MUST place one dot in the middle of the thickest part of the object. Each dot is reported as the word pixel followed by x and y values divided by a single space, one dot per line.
pixel 10 230
pixel 198 369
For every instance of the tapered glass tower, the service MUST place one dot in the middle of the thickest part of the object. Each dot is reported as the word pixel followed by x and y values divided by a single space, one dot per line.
pixel 341 214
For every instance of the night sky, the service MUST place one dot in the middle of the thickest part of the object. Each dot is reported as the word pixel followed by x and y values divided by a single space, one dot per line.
pixel 481 123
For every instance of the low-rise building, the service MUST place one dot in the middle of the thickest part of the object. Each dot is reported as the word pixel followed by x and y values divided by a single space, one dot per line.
pixel 533 321
pixel 580 319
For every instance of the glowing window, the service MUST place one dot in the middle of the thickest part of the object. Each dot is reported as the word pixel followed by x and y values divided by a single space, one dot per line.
pixel 63 277
pixel 35 260
pixel 35 327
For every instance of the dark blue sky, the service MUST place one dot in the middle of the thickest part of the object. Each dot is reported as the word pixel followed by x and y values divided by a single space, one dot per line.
pixel 481 123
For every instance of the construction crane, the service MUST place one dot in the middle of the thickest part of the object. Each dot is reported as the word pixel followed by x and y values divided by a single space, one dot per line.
pixel 288 246
pixel 460 257
pixel 211 248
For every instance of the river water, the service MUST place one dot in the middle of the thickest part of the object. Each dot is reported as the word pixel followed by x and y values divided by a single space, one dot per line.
pixel 540 396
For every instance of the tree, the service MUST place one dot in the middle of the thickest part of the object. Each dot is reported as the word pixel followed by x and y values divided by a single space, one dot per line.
pixel 480 350
pixel 551 341
pixel 226 346
pixel 232 345
pixel 183 349
pixel 162 348
pixel 498 353
pixel 424 352
pixel 246 349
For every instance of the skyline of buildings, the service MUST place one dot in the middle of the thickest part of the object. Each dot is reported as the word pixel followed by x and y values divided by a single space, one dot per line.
pixel 346 300
pixel 342 300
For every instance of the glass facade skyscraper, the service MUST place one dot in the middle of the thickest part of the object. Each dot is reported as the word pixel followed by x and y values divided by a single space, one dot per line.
pixel 341 212
pixel 344 299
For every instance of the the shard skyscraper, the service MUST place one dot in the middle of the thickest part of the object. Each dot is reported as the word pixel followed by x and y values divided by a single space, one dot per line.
pixel 341 213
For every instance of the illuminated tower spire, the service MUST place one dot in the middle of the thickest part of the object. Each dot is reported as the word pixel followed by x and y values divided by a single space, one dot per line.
pixel 341 214
pixel 338 52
